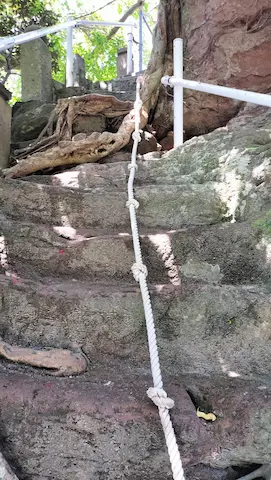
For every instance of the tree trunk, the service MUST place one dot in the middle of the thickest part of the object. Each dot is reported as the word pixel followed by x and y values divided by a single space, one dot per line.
pixel 154 95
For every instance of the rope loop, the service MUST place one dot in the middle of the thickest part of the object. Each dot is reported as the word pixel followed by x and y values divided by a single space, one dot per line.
pixel 160 398
pixel 133 202
pixel 136 136
pixel 138 104
pixel 139 269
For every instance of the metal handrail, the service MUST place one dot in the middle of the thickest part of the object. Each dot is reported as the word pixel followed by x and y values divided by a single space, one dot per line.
pixel 178 83
pixel 89 23
pixel 9 42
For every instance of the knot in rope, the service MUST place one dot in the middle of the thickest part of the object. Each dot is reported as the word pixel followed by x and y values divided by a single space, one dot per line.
pixel 131 165
pixel 138 269
pixel 133 202
pixel 136 136
pixel 138 104
pixel 160 398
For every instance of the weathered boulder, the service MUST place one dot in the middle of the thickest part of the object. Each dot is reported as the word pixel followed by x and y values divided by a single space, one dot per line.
pixel 29 119
pixel 203 329
pixel 221 254
pixel 102 426
pixel 89 124
pixel 167 143
pixel 147 144
pixel 104 209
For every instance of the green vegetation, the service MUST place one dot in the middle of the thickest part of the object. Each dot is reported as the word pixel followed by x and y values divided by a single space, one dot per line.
pixel 15 16
pixel 92 44
pixel 263 224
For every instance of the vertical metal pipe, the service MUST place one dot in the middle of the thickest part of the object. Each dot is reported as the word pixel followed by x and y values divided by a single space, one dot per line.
pixel 147 25
pixel 130 52
pixel 140 39
pixel 178 92
pixel 69 58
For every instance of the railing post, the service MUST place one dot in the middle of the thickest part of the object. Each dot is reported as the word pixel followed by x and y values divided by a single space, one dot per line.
pixel 178 92
pixel 69 58
pixel 130 52
pixel 140 39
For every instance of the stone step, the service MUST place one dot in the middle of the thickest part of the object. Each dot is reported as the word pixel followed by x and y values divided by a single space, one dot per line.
pixel 203 329
pixel 220 156
pixel 35 251
pixel 165 207
pixel 180 189
pixel 102 425
pixel 228 253
pixel 152 170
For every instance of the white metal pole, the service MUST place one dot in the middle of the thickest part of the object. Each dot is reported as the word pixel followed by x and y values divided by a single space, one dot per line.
pixel 178 92
pixel 9 42
pixel 141 39
pixel 130 52
pixel 69 59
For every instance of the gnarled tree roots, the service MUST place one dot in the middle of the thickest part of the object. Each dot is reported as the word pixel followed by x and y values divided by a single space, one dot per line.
pixel 48 151
pixel 61 148
pixel 56 361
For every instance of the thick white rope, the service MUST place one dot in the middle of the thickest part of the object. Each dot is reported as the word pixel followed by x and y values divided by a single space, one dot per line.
pixel 155 393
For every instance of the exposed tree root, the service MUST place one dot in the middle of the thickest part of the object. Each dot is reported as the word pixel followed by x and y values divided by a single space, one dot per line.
pixel 92 149
pixel 5 471
pixel 56 361
pixel 63 149
pixel 36 147
pixel 59 149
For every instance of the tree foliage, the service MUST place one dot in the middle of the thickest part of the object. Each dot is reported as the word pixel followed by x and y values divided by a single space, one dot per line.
pixel 15 16
pixel 93 44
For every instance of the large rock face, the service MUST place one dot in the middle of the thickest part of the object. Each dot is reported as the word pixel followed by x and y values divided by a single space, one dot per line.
pixel 225 43
pixel 66 253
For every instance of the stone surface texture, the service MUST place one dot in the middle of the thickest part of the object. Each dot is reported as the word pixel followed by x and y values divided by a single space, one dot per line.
pixel 225 43
pixel 123 88
pixel 225 54
pixel 79 71
pixel 66 253
pixel 29 119
pixel 122 62
pixel 5 126
pixel 36 71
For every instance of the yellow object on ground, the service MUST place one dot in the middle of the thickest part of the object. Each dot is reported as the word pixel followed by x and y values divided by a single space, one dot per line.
pixel 206 416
